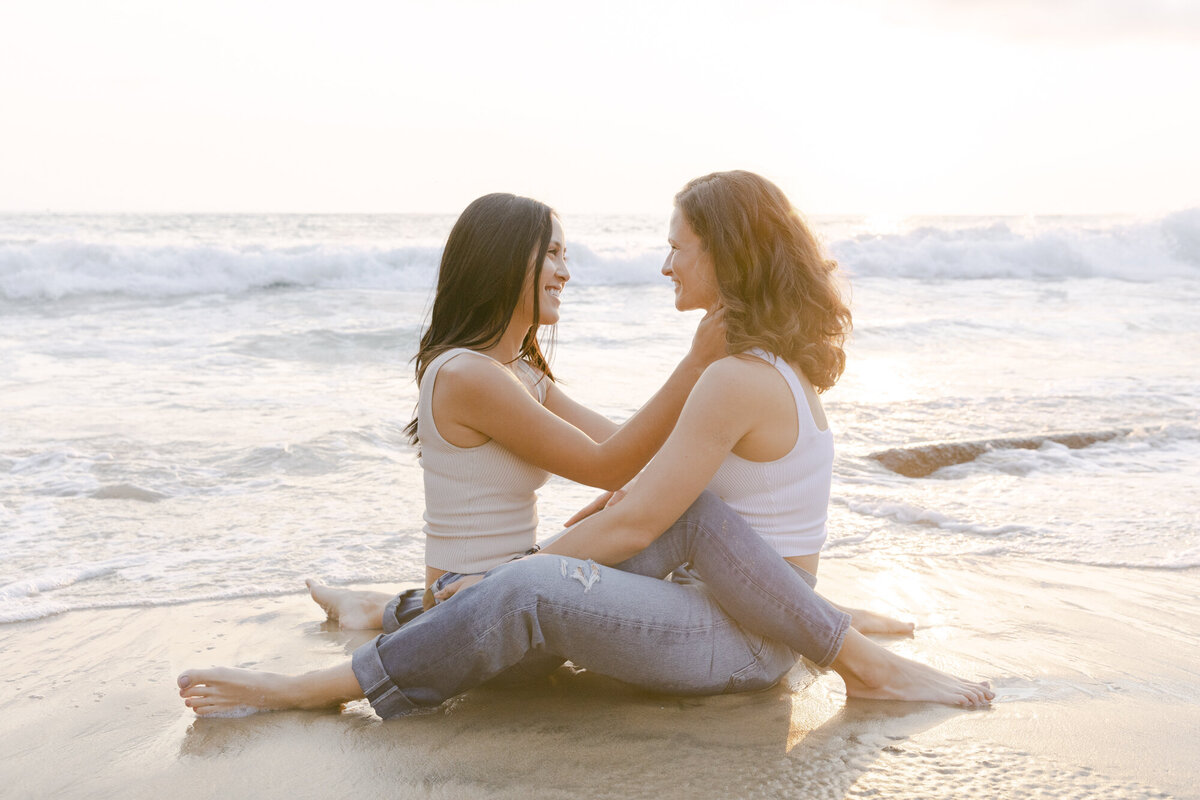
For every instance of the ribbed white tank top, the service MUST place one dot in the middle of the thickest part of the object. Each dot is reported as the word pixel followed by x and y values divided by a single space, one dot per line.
pixel 786 500
pixel 480 502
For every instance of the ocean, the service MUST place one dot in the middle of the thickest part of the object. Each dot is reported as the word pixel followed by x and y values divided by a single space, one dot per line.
pixel 202 407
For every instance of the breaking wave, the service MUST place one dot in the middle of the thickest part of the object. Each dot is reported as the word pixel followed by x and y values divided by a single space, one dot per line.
pixel 36 265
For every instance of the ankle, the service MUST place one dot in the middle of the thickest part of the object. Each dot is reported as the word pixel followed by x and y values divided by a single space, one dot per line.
pixel 302 691
pixel 861 661
pixel 325 688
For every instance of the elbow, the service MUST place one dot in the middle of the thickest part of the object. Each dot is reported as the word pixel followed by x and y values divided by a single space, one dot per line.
pixel 611 477
pixel 632 541
pixel 634 532
pixel 612 483
pixel 610 467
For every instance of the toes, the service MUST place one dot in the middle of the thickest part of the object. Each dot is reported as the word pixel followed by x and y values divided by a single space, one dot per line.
pixel 184 681
pixel 197 676
pixel 981 697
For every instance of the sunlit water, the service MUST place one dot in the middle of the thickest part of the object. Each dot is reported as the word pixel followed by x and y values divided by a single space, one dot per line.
pixel 197 407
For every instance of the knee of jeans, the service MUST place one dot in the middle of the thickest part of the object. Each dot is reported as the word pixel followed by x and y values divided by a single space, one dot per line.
pixel 521 577
pixel 545 574
pixel 715 512
pixel 707 505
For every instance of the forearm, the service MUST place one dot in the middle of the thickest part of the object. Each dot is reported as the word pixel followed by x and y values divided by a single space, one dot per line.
pixel 598 427
pixel 634 443
pixel 608 537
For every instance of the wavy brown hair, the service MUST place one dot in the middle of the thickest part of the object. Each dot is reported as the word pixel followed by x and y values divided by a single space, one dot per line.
pixel 777 286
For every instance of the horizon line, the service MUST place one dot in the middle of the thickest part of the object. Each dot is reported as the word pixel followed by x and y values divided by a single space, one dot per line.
pixel 625 212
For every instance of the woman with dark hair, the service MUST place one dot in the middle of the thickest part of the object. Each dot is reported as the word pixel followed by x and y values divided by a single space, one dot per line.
pixel 752 429
pixel 491 421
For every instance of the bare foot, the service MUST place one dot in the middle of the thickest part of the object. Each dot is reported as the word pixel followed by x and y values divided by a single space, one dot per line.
pixel 874 623
pixel 870 672
pixel 230 692
pixel 352 609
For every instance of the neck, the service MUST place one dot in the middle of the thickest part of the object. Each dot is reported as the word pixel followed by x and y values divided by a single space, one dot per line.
pixel 508 348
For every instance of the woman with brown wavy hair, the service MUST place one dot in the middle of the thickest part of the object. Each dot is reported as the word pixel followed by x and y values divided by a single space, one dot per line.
pixel 753 432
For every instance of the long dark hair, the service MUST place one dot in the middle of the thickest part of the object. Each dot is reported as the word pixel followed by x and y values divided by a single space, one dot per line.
pixel 778 288
pixel 484 268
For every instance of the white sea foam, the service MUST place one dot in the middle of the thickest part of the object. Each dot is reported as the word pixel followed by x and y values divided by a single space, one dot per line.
pixel 1147 450
pixel 1146 251
pixel 915 515
pixel 57 269
pixel 59 578
pixel 44 265
pixel 24 607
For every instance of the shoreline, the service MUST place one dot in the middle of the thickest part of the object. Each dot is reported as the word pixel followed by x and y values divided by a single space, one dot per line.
pixel 1096 698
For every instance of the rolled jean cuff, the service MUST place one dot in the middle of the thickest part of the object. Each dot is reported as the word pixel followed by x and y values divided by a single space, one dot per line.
pixel 835 646
pixel 379 689
pixel 839 632
pixel 390 622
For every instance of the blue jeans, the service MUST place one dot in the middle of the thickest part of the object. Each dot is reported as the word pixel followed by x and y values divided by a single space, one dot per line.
pixel 739 629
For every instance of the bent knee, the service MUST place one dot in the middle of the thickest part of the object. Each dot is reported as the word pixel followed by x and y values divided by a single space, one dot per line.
pixel 547 573
pixel 708 507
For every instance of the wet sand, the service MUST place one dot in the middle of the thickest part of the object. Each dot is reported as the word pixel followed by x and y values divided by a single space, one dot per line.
pixel 1097 672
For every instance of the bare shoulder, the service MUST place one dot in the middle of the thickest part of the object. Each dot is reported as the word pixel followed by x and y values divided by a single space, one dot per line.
pixel 738 368
pixel 475 372
pixel 736 377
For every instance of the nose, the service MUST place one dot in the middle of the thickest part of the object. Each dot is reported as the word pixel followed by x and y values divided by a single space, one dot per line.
pixel 563 272
pixel 666 267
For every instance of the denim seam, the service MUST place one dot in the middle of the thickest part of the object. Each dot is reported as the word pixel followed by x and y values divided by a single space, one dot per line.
pixel 549 605
pixel 835 646
pixel 839 632
pixel 467 647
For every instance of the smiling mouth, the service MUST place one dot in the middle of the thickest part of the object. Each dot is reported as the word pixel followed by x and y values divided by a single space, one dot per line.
pixel 554 291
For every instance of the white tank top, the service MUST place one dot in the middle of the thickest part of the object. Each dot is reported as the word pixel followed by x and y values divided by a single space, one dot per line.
pixel 786 500
pixel 480 502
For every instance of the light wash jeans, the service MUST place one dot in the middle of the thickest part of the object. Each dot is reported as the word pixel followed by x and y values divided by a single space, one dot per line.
pixel 739 629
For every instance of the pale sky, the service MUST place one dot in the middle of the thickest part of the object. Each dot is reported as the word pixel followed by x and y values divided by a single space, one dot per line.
pixel 861 106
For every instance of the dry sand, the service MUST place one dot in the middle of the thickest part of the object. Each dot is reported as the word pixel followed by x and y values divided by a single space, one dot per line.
pixel 1097 672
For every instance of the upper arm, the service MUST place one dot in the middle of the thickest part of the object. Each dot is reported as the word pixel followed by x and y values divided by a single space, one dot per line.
pixel 724 406
pixel 479 394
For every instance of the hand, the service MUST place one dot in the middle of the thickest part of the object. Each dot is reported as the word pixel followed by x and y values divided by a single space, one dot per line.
pixel 602 502
pixel 589 509
pixel 708 343
pixel 450 589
